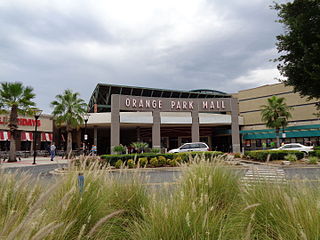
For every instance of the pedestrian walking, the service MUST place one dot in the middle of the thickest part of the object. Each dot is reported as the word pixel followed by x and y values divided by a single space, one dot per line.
pixel 52 151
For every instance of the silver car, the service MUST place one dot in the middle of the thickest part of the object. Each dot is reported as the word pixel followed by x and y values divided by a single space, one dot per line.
pixel 296 147
pixel 191 147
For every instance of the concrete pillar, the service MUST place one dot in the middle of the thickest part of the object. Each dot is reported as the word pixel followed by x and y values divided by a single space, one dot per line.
pixel 235 133
pixel 95 136
pixel 195 132
pixel 156 136
pixel 138 134
pixel 115 122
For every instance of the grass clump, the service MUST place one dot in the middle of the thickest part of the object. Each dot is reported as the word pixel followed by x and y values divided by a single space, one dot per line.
pixel 104 209
pixel 209 202
pixel 313 160
pixel 291 157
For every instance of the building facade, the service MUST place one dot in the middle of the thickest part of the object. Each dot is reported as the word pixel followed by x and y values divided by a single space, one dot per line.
pixel 25 133
pixel 303 127
pixel 162 118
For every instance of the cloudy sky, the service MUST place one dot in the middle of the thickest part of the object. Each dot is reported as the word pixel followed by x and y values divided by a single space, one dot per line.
pixel 174 44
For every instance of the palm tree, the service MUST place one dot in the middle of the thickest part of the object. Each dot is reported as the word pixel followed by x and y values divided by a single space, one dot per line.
pixel 139 146
pixel 276 114
pixel 15 99
pixel 68 110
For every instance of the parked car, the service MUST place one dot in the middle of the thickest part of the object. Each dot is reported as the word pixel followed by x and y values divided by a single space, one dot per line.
pixel 191 147
pixel 295 146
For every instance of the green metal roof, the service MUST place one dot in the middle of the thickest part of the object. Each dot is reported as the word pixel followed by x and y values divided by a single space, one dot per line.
pixel 102 94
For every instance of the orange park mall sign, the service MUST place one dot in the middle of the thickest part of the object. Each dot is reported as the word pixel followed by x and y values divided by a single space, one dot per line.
pixel 21 121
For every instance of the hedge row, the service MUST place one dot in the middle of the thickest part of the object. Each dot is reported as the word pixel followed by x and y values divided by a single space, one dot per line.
pixel 315 153
pixel 316 148
pixel 113 158
pixel 262 155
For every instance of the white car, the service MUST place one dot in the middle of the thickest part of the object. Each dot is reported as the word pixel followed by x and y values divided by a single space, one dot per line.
pixel 296 147
pixel 191 147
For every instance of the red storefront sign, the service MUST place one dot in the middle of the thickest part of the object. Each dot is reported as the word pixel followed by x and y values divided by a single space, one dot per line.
pixel 21 121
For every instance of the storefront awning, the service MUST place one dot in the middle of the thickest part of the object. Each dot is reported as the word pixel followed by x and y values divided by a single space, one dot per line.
pixel 26 136
pixel 46 137
pixel 4 136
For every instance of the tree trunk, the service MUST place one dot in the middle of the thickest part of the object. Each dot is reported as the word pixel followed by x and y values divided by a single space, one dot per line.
pixel 13 125
pixel 69 144
pixel 13 152
pixel 278 137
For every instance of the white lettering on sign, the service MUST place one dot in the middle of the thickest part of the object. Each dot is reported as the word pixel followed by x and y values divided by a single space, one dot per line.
pixel 127 102
pixel 174 104
pixel 211 105
pixel 148 104
pixel 141 104
pixel 184 105
pixel 191 105
pixel 134 103
pixel 154 104
pixel 178 105
pixel 204 104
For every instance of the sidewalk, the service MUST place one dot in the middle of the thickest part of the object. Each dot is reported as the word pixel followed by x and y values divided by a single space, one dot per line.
pixel 27 162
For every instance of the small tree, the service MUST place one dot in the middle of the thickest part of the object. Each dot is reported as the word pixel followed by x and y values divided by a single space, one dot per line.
pixel 68 110
pixel 15 99
pixel 139 146
pixel 276 114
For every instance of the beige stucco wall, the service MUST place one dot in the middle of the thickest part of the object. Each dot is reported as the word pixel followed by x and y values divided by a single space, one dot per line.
pixel 46 123
pixel 253 99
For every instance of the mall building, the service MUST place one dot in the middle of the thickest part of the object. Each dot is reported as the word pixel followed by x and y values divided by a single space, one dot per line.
pixel 162 118
pixel 168 118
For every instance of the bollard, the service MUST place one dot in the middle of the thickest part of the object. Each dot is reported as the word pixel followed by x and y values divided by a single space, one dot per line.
pixel 81 182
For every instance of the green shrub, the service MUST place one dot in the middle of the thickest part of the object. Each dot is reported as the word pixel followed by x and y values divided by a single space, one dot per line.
pixel 178 159
pixel 173 162
pixel 313 160
pixel 154 162
pixel 120 149
pixel 317 148
pixel 291 157
pixel 113 158
pixel 118 164
pixel 154 150
pixel 162 161
pixel 130 163
pixel 315 153
pixel 262 155
pixel 143 161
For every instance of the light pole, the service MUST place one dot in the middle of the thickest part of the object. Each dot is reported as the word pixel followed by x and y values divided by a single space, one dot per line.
pixel 36 114
pixel 283 123
pixel 85 118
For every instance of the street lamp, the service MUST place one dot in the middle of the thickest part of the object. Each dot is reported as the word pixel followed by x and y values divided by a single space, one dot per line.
pixel 36 114
pixel 85 118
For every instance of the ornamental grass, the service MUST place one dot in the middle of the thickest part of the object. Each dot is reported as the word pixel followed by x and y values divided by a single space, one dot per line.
pixel 209 201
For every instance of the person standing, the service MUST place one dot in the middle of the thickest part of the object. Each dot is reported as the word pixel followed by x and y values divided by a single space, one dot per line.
pixel 52 151
pixel 94 150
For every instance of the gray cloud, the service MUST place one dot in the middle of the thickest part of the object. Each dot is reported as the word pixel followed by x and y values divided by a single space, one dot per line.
pixel 215 44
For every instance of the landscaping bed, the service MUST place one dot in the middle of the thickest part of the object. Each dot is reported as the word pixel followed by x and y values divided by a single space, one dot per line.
pixel 154 159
